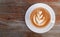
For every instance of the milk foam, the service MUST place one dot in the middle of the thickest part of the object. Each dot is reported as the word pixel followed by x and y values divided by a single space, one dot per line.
pixel 37 18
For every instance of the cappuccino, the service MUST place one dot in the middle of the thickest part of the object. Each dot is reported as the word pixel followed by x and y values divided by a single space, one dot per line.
pixel 40 17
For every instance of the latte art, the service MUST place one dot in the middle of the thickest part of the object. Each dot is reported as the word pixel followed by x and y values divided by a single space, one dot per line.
pixel 40 17
pixel 37 18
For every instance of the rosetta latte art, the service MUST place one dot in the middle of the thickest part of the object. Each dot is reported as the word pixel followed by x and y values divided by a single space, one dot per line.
pixel 40 17
pixel 37 18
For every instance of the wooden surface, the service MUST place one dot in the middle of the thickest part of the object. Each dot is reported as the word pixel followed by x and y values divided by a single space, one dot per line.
pixel 12 22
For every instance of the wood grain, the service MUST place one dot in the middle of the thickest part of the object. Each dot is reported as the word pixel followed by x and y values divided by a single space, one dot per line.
pixel 12 18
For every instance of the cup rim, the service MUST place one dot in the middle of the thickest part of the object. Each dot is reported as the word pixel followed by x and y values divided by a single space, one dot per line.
pixel 32 27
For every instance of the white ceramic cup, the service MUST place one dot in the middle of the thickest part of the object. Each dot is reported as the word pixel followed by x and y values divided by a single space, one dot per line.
pixel 32 27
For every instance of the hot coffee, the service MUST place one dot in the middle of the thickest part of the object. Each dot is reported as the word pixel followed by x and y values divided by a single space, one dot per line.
pixel 40 17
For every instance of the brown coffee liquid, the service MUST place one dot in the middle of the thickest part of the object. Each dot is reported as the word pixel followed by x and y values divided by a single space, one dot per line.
pixel 40 17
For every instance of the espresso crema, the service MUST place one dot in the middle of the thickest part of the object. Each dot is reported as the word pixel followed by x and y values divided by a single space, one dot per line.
pixel 40 17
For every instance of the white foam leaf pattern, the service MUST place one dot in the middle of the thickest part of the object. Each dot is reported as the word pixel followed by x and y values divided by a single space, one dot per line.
pixel 37 19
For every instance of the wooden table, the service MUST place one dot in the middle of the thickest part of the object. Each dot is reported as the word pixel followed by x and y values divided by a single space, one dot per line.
pixel 12 18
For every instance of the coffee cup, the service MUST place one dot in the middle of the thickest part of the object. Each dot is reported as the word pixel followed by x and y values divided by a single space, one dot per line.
pixel 40 18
